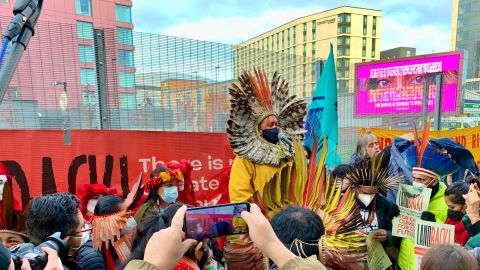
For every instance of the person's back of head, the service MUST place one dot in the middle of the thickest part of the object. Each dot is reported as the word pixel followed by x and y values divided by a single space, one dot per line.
pixel 107 205
pixel 299 229
pixel 341 171
pixel 48 214
pixel 446 257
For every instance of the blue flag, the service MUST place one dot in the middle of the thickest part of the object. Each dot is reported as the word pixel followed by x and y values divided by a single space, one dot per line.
pixel 322 118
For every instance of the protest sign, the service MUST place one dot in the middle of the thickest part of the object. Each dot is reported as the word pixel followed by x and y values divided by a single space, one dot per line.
pixel 377 258
pixel 428 234
pixel 412 201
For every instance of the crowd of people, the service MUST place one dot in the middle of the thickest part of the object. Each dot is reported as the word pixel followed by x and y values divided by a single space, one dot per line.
pixel 292 222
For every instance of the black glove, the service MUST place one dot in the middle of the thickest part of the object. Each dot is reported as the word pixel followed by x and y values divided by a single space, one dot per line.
pixel 428 216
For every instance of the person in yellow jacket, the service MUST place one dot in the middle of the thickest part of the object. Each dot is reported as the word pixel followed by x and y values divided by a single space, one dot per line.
pixel 260 114
pixel 428 164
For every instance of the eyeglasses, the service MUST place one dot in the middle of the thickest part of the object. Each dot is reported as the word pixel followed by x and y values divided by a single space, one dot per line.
pixel 86 228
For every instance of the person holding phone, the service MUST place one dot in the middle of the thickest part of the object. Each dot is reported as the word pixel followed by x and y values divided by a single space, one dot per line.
pixel 167 185
pixel 173 245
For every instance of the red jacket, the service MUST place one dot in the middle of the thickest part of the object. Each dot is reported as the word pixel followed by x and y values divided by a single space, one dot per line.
pixel 461 234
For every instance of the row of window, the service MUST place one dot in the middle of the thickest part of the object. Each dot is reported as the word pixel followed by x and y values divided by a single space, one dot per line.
pixel 122 13
pixel 87 55
pixel 88 77
pixel 85 31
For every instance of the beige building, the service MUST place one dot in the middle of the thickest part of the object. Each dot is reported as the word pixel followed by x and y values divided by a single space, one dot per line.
pixel 294 48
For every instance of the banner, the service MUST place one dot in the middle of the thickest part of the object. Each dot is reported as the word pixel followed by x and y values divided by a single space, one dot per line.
pixel 468 137
pixel 412 201
pixel 41 163
pixel 428 234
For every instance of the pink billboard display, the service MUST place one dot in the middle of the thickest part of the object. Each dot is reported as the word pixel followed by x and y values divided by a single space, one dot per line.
pixel 396 87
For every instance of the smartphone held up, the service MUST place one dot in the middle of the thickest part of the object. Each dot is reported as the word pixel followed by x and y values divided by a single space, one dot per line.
pixel 216 220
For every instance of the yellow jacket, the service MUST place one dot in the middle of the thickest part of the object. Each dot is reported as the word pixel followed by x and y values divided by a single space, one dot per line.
pixel 438 207
pixel 245 172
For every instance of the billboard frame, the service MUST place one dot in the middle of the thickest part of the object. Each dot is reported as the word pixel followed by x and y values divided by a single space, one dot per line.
pixel 459 98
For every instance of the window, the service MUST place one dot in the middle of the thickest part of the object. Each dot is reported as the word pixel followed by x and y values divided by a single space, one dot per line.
pixel 128 101
pixel 364 42
pixel 364 19
pixel 127 79
pixel 343 63
pixel 314 35
pixel 343 41
pixel 83 7
pixel 88 76
pixel 344 18
pixel 373 54
pixel 364 53
pixel 84 30
pixel 344 29
pixel 125 58
pixel 374 21
pixel 304 36
pixel 123 13
pixel 304 27
pixel 364 31
pixel 314 24
pixel 374 32
pixel 409 53
pixel 343 52
pixel 88 98
pixel 86 54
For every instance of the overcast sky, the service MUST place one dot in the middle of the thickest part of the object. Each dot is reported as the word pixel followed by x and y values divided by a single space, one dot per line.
pixel 425 25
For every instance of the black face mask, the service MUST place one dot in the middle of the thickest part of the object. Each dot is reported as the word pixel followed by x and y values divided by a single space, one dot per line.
pixel 454 215
pixel 271 135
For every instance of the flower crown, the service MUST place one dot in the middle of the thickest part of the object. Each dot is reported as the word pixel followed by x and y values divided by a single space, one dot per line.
pixel 164 177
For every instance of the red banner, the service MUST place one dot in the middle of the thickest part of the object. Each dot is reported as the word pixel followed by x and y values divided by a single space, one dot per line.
pixel 41 163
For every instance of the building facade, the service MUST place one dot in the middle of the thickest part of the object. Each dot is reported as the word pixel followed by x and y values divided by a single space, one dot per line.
pixel 65 50
pixel 295 48
pixel 398 52
pixel 466 35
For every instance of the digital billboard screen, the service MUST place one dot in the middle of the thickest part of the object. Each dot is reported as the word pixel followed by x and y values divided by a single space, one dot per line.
pixel 396 86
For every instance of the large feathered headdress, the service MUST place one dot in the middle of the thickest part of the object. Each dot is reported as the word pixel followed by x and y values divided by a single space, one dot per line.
pixel 424 158
pixel 251 102
pixel 343 245
pixel 369 172
pixel 107 229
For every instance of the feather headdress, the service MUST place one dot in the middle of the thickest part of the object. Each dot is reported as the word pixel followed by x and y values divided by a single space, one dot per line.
pixel 424 158
pixel 107 229
pixel 369 172
pixel 309 187
pixel 253 100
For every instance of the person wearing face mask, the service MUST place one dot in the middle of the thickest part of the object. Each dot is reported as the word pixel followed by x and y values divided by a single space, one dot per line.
pixel 427 164
pixel 369 179
pixel 89 194
pixel 259 113
pixel 457 209
pixel 167 184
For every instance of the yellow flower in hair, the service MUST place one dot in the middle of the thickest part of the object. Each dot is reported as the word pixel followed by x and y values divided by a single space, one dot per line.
pixel 165 177
pixel 179 175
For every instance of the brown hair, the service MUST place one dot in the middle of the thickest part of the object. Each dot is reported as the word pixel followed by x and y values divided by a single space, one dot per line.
pixel 446 257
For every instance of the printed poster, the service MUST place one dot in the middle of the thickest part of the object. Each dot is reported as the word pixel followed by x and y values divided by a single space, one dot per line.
pixel 412 201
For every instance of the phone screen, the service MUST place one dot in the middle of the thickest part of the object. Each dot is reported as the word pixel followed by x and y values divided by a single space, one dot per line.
pixel 217 220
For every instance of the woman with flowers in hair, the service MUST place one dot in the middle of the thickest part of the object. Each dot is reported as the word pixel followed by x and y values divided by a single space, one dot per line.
pixel 167 185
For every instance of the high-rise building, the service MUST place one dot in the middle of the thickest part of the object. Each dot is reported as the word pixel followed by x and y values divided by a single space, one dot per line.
pixel 398 52
pixel 466 35
pixel 294 48
pixel 75 43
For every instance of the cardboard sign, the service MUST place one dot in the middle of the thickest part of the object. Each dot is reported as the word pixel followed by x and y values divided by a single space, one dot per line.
pixel 377 258
pixel 428 234
pixel 412 201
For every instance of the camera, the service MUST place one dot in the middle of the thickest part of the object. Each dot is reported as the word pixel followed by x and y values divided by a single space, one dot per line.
pixel 35 255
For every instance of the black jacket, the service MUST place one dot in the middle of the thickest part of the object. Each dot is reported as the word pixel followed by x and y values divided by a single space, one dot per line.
pixel 386 211
pixel 89 259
